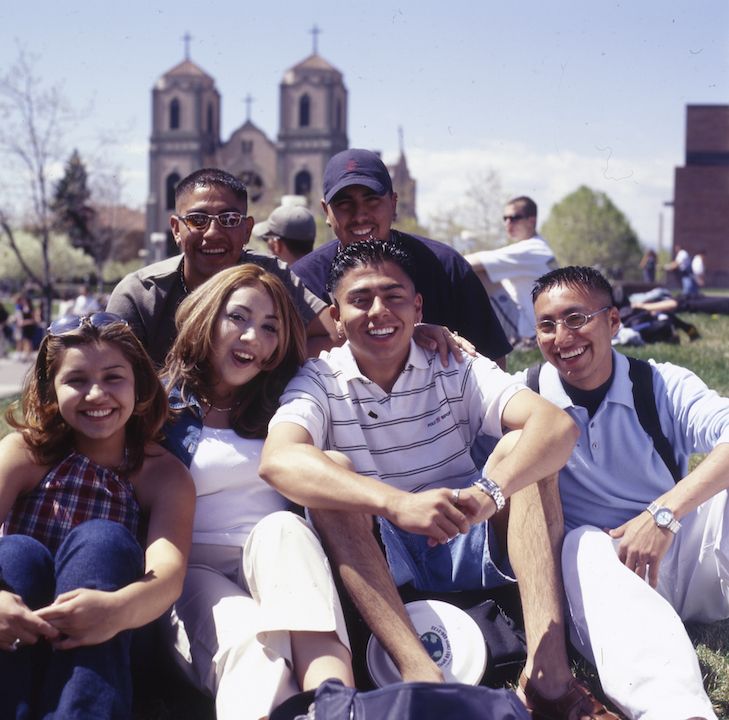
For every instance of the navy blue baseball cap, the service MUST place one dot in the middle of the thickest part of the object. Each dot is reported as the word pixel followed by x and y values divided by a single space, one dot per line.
pixel 356 167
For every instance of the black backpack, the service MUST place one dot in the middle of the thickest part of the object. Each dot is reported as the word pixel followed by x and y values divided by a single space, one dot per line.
pixel 644 398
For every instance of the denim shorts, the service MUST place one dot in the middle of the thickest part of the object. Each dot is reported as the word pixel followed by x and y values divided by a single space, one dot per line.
pixel 470 561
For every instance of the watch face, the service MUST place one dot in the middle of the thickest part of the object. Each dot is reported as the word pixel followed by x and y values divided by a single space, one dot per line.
pixel 664 517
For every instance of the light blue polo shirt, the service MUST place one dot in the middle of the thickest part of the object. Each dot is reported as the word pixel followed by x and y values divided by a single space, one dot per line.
pixel 614 471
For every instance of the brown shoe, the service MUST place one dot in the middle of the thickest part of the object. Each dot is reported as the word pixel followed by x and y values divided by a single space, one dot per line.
pixel 578 703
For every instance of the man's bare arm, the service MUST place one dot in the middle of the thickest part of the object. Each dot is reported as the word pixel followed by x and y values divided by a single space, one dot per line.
pixel 303 473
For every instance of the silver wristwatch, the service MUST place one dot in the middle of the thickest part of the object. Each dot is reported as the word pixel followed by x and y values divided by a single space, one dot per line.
pixel 663 517
pixel 488 486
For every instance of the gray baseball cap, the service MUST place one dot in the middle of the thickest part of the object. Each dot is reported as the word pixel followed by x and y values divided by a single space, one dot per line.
pixel 291 222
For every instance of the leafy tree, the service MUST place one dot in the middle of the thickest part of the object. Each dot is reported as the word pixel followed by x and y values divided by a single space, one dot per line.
pixel 67 263
pixel 73 214
pixel 586 228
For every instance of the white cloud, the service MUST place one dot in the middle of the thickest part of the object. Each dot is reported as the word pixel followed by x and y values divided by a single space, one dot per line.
pixel 638 186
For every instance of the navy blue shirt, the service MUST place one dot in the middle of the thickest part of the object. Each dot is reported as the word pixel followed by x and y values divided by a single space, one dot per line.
pixel 452 293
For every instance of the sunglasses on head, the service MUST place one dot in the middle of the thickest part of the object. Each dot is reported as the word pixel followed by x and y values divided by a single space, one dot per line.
pixel 70 323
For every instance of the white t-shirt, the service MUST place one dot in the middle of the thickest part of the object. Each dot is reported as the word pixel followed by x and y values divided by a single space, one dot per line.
pixel 231 497
pixel 516 267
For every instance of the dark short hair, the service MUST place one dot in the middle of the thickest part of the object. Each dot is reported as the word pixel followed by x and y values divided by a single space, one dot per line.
pixel 529 206
pixel 574 276
pixel 370 252
pixel 207 177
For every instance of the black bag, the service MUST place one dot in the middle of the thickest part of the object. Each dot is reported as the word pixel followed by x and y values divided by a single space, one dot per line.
pixel 416 701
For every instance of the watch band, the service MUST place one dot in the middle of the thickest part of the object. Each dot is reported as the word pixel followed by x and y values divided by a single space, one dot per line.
pixel 673 525
pixel 490 488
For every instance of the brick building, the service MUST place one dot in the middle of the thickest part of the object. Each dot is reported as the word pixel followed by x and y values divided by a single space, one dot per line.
pixel 701 190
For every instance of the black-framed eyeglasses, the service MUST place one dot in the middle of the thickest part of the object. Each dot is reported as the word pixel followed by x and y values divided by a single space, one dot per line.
pixel 513 218
pixel 573 321
pixel 70 323
pixel 201 220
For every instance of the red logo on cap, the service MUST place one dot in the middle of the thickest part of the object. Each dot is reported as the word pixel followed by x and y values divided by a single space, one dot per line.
pixel 351 166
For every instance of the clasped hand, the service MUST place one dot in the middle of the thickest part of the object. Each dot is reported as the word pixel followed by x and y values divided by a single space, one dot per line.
pixel 435 513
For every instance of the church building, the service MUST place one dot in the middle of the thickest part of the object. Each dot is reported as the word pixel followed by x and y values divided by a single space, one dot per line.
pixel 312 127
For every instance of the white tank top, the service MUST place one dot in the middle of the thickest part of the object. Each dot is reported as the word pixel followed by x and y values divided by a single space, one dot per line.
pixel 231 497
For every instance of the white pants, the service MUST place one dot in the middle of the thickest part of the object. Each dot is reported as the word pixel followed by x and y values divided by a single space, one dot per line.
pixel 232 622
pixel 635 634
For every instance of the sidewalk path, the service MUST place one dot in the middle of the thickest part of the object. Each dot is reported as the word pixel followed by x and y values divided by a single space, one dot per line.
pixel 12 373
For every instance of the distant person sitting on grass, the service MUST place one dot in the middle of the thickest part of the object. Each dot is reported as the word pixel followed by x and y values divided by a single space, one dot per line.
pixel 646 545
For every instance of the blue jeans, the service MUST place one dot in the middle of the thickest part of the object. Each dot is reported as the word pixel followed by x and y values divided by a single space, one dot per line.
pixel 87 683
pixel 468 562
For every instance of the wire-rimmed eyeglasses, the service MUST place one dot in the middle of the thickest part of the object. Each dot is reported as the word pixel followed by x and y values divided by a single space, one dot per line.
pixel 573 321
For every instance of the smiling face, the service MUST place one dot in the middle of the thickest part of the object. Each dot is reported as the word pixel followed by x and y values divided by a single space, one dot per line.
pixel 358 213
pixel 583 357
pixel 94 387
pixel 376 308
pixel 245 336
pixel 208 251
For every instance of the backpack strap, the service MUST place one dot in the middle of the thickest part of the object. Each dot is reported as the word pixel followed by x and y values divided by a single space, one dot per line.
pixel 532 376
pixel 641 375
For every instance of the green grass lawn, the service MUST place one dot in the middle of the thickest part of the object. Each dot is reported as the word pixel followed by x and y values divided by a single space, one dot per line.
pixel 709 358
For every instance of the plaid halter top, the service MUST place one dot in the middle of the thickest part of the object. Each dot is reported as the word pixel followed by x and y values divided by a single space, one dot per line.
pixel 72 492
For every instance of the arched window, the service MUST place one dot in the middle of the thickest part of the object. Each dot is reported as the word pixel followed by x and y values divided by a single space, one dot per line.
pixel 302 183
pixel 304 111
pixel 170 185
pixel 338 115
pixel 210 118
pixel 174 114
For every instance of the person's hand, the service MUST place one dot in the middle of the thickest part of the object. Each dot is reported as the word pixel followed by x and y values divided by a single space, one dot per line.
pixel 433 513
pixel 19 625
pixel 82 617
pixel 642 545
pixel 443 341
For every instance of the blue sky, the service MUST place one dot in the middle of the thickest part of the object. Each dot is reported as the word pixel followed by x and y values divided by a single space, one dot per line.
pixel 552 95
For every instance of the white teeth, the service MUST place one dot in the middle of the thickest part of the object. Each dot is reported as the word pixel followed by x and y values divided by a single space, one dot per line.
pixel 363 233
pixel 572 353
pixel 214 251
pixel 99 413
pixel 381 331
pixel 243 356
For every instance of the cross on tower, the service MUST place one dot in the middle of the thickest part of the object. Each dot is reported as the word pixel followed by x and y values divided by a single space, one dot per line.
pixel 186 38
pixel 315 31
pixel 248 100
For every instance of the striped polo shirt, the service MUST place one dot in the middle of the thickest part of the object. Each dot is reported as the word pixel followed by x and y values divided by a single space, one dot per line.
pixel 415 437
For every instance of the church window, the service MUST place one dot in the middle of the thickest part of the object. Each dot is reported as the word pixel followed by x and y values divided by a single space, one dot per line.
pixel 302 183
pixel 210 118
pixel 170 186
pixel 246 147
pixel 175 114
pixel 338 115
pixel 304 111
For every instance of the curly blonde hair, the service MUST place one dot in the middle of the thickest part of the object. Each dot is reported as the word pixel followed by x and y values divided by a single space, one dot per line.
pixel 36 415
pixel 188 364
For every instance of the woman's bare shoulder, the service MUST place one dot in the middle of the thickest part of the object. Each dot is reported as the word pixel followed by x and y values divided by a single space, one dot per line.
pixel 17 462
